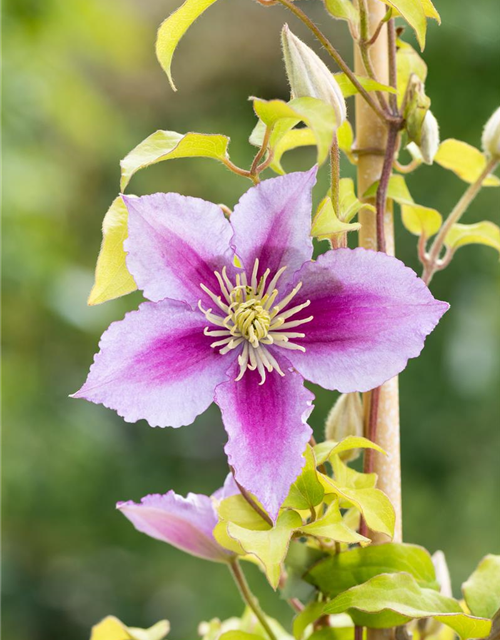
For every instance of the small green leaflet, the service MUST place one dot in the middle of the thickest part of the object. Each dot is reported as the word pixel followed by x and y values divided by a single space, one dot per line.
pixel 324 450
pixel 413 12
pixel 486 232
pixel 343 10
pixel 464 160
pixel 482 590
pixel 173 28
pixel 348 89
pixel 307 491
pixel 168 145
pixel 326 223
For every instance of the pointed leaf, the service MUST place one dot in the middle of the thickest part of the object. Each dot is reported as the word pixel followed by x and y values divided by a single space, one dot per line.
pixel 333 527
pixel 485 232
pixel 325 222
pixel 291 140
pixel 237 510
pixel 348 89
pixel 324 450
pixel 408 63
pixel 338 573
pixel 396 190
pixel 413 12
pixel 342 10
pixel 345 139
pixel 464 160
pixel 112 278
pixel 167 145
pixel 400 594
pixel 482 590
pixel 110 628
pixel 421 220
pixel 348 201
pixel 173 28
pixel 307 491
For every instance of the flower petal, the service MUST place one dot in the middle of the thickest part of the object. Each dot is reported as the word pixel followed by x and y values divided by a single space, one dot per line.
pixel 371 314
pixel 174 244
pixel 185 523
pixel 267 430
pixel 272 222
pixel 158 365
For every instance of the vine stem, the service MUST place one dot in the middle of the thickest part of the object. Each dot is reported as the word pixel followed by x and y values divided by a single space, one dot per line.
pixel 384 116
pixel 381 197
pixel 431 259
pixel 251 501
pixel 248 597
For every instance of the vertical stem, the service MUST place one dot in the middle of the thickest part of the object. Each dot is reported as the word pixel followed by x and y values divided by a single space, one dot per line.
pixel 371 133
pixel 249 598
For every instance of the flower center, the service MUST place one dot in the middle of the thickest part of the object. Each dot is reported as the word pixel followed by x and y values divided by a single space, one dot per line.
pixel 246 315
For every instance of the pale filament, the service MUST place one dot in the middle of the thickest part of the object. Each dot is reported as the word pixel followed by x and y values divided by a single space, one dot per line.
pixel 245 314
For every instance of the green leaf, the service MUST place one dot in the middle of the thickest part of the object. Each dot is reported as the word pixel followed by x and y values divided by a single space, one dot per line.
pixel 326 223
pixel 408 63
pixel 307 616
pixel 333 527
pixel 421 220
pixel 343 571
pixel 345 139
pixel 173 28
pixel 270 546
pixel 348 201
pixel 168 145
pixel 400 594
pixel 112 278
pixel 110 628
pixel 482 590
pixel 307 491
pixel 342 10
pixel 335 633
pixel 316 114
pixel 396 190
pixel 373 504
pixel 430 10
pixel 349 478
pixel 413 12
pixel 291 140
pixel 239 635
pixel 484 232
pixel 237 510
pixel 348 89
pixel 300 558
pixel 465 161
pixel 325 450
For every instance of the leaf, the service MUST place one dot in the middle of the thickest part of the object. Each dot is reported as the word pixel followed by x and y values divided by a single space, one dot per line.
pixel 400 594
pixel 270 546
pixel 236 509
pixel 300 558
pixel 396 190
pixel 348 89
pixel 349 478
pixel 333 527
pixel 482 590
pixel 291 140
pixel 326 223
pixel 112 278
pixel 342 10
pixel 324 450
pixel 348 201
pixel 430 10
pixel 373 504
pixel 167 145
pixel 307 616
pixel 484 232
pixel 110 628
pixel 421 220
pixel 343 571
pixel 408 63
pixel 307 491
pixel 316 114
pixel 239 635
pixel 173 28
pixel 464 160
pixel 345 139
pixel 413 12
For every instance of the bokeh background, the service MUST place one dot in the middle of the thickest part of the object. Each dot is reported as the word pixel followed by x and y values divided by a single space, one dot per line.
pixel 82 87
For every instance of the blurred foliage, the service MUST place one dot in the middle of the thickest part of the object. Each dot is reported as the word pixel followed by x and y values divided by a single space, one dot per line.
pixel 82 88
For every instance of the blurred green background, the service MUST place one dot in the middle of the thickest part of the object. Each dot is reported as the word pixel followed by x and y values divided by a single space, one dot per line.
pixel 82 87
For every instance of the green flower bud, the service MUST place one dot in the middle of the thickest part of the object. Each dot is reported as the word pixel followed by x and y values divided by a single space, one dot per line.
pixel 429 141
pixel 345 419
pixel 491 135
pixel 309 76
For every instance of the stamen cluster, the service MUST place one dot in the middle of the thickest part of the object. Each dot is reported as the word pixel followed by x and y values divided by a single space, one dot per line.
pixel 250 318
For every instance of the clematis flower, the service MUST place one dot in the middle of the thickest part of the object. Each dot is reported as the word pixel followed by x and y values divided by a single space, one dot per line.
pixel 247 337
pixel 185 523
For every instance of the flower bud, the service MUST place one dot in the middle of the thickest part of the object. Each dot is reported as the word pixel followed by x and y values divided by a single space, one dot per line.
pixel 491 135
pixel 345 419
pixel 429 141
pixel 309 76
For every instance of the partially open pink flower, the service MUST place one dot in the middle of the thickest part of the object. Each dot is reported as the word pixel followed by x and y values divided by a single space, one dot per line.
pixel 186 523
pixel 247 337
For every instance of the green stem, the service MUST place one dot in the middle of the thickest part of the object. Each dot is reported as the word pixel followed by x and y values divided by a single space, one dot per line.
pixel 249 598
pixel 431 260
pixel 337 57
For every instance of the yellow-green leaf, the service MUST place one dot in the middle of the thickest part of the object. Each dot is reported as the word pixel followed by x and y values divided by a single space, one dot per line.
pixel 110 628
pixel 112 278
pixel 291 140
pixel 396 190
pixel 326 222
pixel 237 510
pixel 173 28
pixel 270 546
pixel 348 88
pixel 168 145
pixel 484 232
pixel 413 12
pixel 421 220
pixel 408 62
pixel 316 114
pixel 237 634
pixel 345 139
pixel 307 491
pixel 333 527
pixel 482 589
pixel 430 10
pixel 325 450
pixel 464 160
pixel 348 202
pixel 342 10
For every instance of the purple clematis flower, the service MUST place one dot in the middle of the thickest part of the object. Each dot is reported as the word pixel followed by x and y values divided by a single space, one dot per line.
pixel 185 523
pixel 247 337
